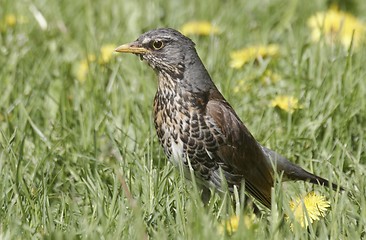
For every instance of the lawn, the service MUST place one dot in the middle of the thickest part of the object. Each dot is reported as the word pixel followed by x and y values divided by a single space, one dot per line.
pixel 79 157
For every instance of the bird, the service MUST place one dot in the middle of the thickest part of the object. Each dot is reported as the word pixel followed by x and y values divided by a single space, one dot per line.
pixel 200 131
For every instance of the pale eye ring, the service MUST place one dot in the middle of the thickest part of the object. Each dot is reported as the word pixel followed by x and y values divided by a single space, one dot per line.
pixel 157 44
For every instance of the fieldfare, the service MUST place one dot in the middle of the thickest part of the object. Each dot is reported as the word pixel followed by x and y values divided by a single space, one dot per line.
pixel 199 129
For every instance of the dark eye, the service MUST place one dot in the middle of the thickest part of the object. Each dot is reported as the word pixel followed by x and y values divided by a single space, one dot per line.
pixel 157 44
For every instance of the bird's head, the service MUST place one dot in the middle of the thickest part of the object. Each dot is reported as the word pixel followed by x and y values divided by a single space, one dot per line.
pixel 164 49
pixel 173 56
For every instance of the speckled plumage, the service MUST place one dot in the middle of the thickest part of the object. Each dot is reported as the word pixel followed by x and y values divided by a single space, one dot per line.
pixel 196 126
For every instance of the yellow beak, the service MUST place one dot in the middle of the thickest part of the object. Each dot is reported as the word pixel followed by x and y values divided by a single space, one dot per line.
pixel 131 48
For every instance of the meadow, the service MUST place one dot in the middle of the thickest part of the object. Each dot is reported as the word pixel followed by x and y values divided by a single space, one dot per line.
pixel 79 157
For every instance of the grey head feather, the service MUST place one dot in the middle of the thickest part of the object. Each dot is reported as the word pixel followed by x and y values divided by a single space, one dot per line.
pixel 179 53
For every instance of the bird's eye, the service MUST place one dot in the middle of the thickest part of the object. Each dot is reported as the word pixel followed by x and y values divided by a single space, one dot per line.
pixel 157 44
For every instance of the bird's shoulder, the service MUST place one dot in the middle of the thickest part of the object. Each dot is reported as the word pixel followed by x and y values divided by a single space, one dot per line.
pixel 223 115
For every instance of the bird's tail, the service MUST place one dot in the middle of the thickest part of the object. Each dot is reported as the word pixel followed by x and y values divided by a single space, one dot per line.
pixel 293 172
pixel 304 175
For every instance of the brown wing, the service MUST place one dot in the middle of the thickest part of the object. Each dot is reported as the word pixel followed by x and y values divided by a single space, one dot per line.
pixel 241 151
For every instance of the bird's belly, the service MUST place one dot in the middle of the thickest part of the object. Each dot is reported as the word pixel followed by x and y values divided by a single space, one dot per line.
pixel 170 141
pixel 181 155
pixel 170 133
pixel 183 137
pixel 177 151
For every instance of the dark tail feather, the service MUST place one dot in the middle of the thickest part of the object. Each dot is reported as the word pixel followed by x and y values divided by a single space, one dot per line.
pixel 307 176
pixel 293 172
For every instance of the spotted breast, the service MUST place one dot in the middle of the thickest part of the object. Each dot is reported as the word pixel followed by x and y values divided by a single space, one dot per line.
pixel 189 136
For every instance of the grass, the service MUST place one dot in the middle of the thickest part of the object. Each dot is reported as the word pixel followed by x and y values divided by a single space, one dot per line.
pixel 80 160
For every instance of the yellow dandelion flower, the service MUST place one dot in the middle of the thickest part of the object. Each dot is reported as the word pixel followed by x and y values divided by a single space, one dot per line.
pixel 309 209
pixel 240 57
pixel 232 225
pixel 199 28
pixel 10 20
pixel 83 67
pixel 286 103
pixel 335 25
pixel 91 57
pixel 270 77
pixel 106 53
pixel 236 89
pixel 82 71
pixel 242 86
